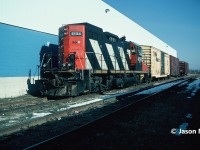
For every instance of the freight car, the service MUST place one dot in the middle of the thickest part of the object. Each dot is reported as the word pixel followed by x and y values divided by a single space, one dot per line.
pixel 157 61
pixel 174 66
pixel 184 68
pixel 88 60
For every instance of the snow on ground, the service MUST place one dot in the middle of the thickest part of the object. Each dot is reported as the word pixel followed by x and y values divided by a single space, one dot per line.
pixel 150 91
pixel 194 86
pixel 183 126
pixel 84 103
pixel 78 104
pixel 184 83
pixel 36 115
pixel 158 88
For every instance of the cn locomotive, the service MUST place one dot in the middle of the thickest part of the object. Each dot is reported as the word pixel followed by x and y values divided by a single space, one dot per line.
pixel 87 59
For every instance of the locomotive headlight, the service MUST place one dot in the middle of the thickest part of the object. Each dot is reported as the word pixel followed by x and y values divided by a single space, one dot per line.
pixel 63 64
pixel 69 64
pixel 44 65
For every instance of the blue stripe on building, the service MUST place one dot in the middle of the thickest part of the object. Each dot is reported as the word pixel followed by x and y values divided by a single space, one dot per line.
pixel 20 48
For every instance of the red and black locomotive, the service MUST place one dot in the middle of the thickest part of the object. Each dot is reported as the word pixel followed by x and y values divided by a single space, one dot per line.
pixel 89 60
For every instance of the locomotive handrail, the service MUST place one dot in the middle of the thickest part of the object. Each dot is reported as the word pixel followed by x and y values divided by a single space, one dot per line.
pixel 81 66
pixel 42 59
pixel 47 61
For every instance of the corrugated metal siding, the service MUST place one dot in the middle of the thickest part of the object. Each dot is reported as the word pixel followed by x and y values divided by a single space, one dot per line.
pixel 68 11
pixel 20 49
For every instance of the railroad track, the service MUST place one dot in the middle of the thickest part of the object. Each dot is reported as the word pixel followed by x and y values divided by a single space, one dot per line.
pixel 16 105
pixel 11 103
pixel 62 108
pixel 20 117
pixel 146 94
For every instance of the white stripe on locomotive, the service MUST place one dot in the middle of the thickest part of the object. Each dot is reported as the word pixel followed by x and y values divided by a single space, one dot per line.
pixel 88 64
pixel 98 54
pixel 112 56
pixel 122 55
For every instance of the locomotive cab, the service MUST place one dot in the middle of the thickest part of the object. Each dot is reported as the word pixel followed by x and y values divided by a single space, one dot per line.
pixel 71 53
pixel 136 56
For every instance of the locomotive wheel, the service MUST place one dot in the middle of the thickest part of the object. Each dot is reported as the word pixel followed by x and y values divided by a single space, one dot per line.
pixel 97 88
pixel 100 88
pixel 121 85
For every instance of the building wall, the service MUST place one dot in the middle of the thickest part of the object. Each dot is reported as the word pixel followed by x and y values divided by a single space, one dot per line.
pixel 12 86
pixel 19 52
pixel 20 49
pixel 37 22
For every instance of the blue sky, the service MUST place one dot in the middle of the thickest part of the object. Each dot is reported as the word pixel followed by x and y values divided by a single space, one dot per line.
pixel 176 22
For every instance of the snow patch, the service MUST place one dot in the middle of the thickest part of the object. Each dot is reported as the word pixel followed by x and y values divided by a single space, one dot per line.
pixel 158 88
pixel 184 83
pixel 12 121
pixel 194 86
pixel 189 116
pixel 62 109
pixel 84 103
pixel 37 115
pixel 183 126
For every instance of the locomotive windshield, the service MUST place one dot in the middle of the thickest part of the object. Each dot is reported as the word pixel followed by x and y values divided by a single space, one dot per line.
pixel 140 52
pixel 133 50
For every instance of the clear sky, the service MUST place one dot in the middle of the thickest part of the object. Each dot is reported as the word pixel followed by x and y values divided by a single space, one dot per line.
pixel 176 22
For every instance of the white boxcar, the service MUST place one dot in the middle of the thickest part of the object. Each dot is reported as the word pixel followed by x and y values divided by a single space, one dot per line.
pixel 157 61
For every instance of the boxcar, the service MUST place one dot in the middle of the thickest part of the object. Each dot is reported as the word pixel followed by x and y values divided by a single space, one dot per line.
pixel 174 66
pixel 184 68
pixel 157 61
